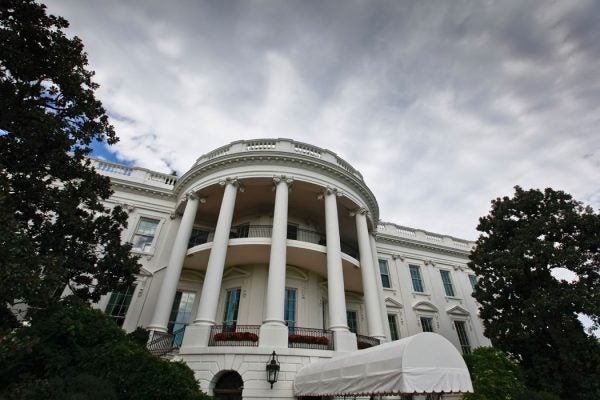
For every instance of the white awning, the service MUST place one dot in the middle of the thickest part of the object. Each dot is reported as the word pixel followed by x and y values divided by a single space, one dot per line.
pixel 423 363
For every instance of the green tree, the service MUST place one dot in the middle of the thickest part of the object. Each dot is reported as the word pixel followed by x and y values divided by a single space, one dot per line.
pixel 495 376
pixel 54 229
pixel 76 352
pixel 527 311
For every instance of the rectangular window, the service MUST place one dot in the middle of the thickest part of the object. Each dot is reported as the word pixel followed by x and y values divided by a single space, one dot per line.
pixel 352 321
pixel 417 281
pixel 144 234
pixel 393 327
pixel 181 310
pixel 118 304
pixel 384 271
pixel 290 308
pixel 448 288
pixel 461 331
pixel 427 324
pixel 473 280
pixel 232 306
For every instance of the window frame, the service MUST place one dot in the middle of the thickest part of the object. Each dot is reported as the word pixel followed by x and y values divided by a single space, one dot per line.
pixel 426 317
pixel 356 326
pixel 384 262
pixel 463 340
pixel 291 324
pixel 230 324
pixel 393 318
pixel 473 280
pixel 416 268
pixel 124 302
pixel 148 248
pixel 447 283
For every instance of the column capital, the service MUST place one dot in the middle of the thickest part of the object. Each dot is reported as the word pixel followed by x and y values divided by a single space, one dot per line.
pixel 282 178
pixel 359 211
pixel 330 190
pixel 194 196
pixel 398 256
pixel 234 181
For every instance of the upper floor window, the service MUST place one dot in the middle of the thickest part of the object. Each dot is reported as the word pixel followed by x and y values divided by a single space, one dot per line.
pixel 352 321
pixel 181 311
pixel 448 288
pixel 232 306
pixel 290 308
pixel 461 331
pixel 393 322
pixel 118 304
pixel 473 280
pixel 384 271
pixel 144 234
pixel 417 280
pixel 427 324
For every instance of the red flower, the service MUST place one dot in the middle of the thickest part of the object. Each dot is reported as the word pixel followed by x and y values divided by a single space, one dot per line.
pixel 321 340
pixel 235 336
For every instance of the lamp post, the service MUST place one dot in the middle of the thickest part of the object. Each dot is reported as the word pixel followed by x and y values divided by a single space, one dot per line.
pixel 272 369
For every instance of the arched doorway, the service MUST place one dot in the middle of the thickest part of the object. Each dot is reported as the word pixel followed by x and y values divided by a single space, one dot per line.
pixel 229 386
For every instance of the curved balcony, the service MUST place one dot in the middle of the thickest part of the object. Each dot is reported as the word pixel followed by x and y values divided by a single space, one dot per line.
pixel 250 244
pixel 265 231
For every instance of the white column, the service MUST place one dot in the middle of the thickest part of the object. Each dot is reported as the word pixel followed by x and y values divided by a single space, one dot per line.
pixel 382 306
pixel 273 332
pixel 197 335
pixel 371 294
pixel 209 298
pixel 168 288
pixel 338 323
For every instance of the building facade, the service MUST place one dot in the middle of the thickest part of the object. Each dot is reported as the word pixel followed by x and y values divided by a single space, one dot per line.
pixel 275 245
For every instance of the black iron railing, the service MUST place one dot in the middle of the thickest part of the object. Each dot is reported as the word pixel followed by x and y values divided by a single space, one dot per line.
pixel 309 338
pixel 234 335
pixel 200 236
pixel 163 343
pixel 364 342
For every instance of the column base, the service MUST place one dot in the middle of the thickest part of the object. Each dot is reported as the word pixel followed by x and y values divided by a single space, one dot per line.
pixel 196 337
pixel 344 341
pixel 273 335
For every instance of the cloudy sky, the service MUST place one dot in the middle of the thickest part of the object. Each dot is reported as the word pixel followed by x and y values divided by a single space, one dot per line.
pixel 442 106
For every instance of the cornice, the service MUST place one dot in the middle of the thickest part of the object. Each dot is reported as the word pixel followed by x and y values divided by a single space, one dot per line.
pixel 422 245
pixel 141 187
pixel 260 157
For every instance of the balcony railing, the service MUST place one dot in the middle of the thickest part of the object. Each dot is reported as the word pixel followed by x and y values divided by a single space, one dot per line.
pixel 163 343
pixel 309 338
pixel 364 342
pixel 200 236
pixel 234 335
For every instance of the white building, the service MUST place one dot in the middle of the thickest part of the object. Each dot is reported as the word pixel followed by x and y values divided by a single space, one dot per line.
pixel 275 245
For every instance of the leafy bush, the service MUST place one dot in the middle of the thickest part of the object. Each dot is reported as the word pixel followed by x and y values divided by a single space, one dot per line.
pixel 75 352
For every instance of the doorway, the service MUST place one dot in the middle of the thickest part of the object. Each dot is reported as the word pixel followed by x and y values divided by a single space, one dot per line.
pixel 229 386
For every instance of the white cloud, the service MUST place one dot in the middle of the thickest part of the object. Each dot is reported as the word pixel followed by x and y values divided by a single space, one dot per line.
pixel 441 111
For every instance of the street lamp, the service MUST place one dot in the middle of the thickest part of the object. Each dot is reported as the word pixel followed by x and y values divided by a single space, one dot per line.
pixel 272 369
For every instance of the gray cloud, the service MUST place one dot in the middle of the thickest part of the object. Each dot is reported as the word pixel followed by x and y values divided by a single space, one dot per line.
pixel 441 105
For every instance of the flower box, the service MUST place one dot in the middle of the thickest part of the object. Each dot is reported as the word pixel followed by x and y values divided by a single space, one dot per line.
pixel 236 336
pixel 321 340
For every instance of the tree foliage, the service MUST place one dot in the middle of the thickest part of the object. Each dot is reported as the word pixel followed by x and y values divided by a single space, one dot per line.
pixel 527 241
pixel 54 228
pixel 494 375
pixel 75 352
